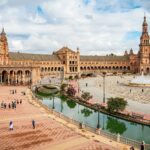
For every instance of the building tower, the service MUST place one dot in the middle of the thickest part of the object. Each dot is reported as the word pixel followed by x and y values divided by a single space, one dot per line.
pixel 3 48
pixel 144 61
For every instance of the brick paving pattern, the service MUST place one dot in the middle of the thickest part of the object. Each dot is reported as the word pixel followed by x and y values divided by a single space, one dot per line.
pixel 48 134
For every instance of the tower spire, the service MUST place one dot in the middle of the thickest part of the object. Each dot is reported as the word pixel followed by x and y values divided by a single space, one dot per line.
pixel 145 25
pixel 3 30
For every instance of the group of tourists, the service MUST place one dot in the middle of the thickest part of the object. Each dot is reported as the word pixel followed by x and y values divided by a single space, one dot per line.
pixel 14 91
pixel 12 105
pixel 141 90
pixel 11 125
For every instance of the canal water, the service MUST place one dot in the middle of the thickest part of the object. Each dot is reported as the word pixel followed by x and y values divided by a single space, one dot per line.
pixel 93 118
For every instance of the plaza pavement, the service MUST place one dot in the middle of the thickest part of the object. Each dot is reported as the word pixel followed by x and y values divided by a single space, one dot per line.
pixel 51 133
pixel 138 101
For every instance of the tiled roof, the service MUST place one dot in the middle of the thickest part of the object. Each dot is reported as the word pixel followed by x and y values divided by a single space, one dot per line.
pixel 27 56
pixel 104 58
pixel 65 49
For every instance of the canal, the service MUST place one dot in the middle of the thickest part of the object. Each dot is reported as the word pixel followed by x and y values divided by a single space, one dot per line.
pixel 96 119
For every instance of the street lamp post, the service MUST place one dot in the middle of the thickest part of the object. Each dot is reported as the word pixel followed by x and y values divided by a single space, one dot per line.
pixel 98 123
pixel 62 74
pixel 78 84
pixel 104 87
pixel 53 103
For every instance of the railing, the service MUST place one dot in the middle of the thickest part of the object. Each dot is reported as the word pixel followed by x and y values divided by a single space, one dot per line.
pixel 130 142
pixel 103 133
pixel 108 135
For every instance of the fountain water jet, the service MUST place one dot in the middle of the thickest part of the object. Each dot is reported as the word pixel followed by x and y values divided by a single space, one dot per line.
pixel 142 80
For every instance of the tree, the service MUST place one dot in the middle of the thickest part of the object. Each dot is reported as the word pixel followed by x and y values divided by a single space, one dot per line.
pixel 116 104
pixel 86 112
pixel 76 77
pixel 71 104
pixel 86 96
pixel 70 77
pixel 71 91
pixel 116 126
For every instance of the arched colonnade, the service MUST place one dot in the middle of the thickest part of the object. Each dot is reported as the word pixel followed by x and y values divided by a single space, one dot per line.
pixel 14 77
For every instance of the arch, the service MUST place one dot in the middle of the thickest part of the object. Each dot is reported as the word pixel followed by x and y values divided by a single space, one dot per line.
pixel 5 76
pixel 114 67
pixel 109 67
pixel 128 67
pixel 147 70
pixel 121 67
pixel 45 69
pixel 28 77
pixel 59 69
pixel 12 77
pixel 124 67
pixel 117 67
pixel 19 76
pixel 42 69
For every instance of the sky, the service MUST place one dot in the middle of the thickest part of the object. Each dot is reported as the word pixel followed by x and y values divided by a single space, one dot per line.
pixel 96 27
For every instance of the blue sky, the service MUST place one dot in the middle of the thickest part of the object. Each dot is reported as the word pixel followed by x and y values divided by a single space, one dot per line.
pixel 97 27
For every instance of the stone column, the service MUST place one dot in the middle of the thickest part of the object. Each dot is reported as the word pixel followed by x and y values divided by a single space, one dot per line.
pixel 118 137
pixel 15 78
pixel 23 78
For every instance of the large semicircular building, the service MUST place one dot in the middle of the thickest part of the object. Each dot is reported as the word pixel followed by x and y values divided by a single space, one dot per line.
pixel 26 68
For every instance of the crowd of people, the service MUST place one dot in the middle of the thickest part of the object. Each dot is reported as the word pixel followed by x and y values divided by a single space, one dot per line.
pixel 12 105
pixel 14 91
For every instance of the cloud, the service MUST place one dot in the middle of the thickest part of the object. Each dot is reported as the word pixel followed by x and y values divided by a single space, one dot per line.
pixel 145 4
pixel 95 26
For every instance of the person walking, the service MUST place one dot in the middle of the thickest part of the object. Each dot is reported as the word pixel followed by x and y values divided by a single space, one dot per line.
pixel 9 106
pixel 33 124
pixel 142 146
pixel 11 125
pixel 12 104
pixel 5 105
pixel 17 101
pixel 2 104
pixel 15 104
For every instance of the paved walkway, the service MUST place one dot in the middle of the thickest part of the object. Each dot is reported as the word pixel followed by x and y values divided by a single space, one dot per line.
pixel 51 133
pixel 138 101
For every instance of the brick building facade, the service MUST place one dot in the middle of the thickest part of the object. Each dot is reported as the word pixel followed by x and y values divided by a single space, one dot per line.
pixel 25 68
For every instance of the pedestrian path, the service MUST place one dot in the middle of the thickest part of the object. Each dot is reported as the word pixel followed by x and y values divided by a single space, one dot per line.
pixel 50 133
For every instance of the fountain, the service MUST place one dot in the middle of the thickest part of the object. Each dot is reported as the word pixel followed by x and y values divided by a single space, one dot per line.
pixel 142 80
